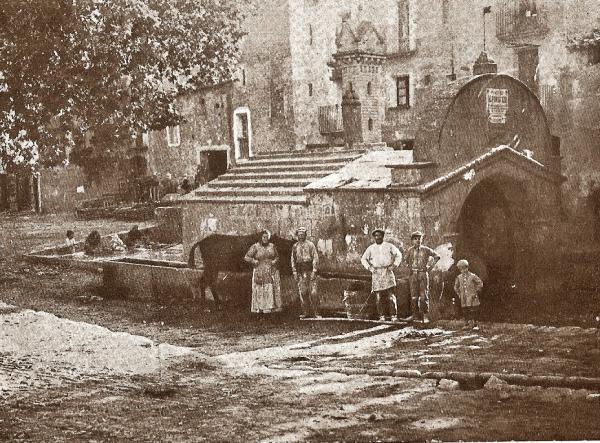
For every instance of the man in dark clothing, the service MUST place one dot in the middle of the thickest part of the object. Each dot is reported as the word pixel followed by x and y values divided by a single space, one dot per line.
pixel 417 258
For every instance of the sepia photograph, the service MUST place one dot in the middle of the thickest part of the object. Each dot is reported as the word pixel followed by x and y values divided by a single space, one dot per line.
pixel 299 220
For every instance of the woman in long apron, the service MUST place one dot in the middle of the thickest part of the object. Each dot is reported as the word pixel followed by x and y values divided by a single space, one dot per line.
pixel 266 287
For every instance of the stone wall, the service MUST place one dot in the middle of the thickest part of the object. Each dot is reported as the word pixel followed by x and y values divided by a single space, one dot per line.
pixel 449 38
pixel 264 79
pixel 339 222
pixel 208 116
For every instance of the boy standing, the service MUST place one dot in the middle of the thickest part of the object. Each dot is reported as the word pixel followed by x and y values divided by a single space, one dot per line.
pixel 467 286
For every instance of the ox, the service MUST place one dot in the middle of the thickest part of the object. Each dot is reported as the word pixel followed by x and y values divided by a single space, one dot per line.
pixel 221 252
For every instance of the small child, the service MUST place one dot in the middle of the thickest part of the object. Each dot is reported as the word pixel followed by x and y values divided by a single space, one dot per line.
pixel 70 241
pixel 467 286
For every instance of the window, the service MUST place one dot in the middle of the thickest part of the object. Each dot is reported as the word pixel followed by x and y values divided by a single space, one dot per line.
pixel 369 88
pixel 310 35
pixel 310 89
pixel 370 124
pixel 403 92
pixel 173 136
pixel 243 77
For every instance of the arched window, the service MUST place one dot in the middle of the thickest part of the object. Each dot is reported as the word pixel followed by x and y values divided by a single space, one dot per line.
pixel 310 89
pixel 369 88
pixel 350 87
pixel 370 123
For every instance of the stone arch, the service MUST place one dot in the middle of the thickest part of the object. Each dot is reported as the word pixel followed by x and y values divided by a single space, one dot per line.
pixel 490 221
pixel 493 223
pixel 525 119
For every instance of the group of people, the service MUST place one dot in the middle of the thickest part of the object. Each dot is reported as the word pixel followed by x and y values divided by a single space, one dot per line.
pixel 95 244
pixel 266 282
pixel 380 259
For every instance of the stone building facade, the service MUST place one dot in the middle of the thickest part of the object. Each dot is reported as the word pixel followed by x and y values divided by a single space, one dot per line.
pixel 288 91
pixel 503 143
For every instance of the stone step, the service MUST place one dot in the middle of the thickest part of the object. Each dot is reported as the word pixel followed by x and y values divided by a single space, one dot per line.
pixel 255 190
pixel 273 161
pixel 248 167
pixel 260 182
pixel 243 199
pixel 297 175
pixel 309 153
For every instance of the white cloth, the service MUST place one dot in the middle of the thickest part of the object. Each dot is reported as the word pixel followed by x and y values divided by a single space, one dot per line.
pixel 380 261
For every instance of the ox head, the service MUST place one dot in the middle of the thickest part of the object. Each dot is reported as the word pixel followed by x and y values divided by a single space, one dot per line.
pixel 284 249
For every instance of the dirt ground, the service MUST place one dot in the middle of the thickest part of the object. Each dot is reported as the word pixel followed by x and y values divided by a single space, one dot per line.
pixel 78 366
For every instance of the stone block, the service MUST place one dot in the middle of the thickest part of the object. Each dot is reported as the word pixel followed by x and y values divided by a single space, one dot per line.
pixel 407 373
pixel 448 385
pixel 496 384
pixel 379 372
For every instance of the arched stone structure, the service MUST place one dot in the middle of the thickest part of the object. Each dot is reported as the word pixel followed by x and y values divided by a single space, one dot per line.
pixel 493 153
pixel 488 111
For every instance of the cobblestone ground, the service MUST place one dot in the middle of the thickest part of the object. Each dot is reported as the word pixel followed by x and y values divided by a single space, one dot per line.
pixel 76 366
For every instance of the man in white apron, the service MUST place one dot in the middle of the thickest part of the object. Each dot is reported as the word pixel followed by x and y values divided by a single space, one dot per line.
pixel 380 259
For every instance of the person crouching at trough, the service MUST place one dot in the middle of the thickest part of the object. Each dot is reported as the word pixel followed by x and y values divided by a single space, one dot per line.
pixel 417 259
pixel 380 259
pixel 305 262
pixel 467 286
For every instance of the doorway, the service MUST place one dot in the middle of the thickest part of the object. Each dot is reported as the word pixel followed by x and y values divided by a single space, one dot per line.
pixel 242 133
pixel 486 230
pixel 217 164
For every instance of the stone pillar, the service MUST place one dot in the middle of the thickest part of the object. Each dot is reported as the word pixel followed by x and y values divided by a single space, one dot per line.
pixel 352 118
pixel 484 65
pixel 360 58
pixel 363 74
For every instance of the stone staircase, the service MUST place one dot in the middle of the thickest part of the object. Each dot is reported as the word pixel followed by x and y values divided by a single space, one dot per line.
pixel 275 178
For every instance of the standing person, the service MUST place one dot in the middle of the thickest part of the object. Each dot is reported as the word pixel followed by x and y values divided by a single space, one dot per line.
pixel 467 286
pixel 417 259
pixel 380 259
pixel 305 262
pixel 266 288
pixel 70 241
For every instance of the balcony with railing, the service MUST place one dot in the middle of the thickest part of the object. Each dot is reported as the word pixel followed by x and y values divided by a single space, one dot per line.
pixel 520 21
pixel 330 120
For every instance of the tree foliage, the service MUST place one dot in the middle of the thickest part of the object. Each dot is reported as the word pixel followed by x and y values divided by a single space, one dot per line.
pixel 111 68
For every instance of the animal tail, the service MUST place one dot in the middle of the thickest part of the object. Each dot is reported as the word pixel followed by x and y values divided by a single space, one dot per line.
pixel 192 256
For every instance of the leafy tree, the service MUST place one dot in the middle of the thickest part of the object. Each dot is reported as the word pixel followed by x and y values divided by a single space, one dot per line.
pixel 111 68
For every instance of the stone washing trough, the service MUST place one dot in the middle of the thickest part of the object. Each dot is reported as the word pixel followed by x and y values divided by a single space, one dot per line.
pixel 158 272
pixel 162 273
